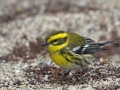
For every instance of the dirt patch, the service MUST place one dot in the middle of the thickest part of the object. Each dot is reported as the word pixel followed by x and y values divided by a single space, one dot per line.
pixel 25 52
pixel 64 6
pixel 19 12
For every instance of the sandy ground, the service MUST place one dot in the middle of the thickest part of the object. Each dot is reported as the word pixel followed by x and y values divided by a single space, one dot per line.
pixel 24 65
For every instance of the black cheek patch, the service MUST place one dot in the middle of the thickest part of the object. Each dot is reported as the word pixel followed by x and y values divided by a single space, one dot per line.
pixel 61 41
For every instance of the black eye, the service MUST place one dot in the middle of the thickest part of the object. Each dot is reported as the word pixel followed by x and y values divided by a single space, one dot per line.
pixel 55 41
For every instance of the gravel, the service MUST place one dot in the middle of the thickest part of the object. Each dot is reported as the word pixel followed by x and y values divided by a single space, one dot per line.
pixel 24 65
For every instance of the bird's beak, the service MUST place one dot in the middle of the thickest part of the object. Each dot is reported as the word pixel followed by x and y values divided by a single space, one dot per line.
pixel 44 44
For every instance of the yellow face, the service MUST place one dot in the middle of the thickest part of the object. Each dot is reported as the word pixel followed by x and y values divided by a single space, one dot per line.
pixel 56 40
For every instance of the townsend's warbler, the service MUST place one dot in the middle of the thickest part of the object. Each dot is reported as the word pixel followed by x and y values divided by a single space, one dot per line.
pixel 71 51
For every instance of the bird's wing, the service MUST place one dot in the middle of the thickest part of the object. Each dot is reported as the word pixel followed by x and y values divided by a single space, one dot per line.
pixel 90 47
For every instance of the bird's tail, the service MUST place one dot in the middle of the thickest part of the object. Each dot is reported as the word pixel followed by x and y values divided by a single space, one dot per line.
pixel 102 45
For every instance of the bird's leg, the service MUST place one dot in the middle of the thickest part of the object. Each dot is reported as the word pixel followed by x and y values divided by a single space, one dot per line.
pixel 65 74
pixel 62 77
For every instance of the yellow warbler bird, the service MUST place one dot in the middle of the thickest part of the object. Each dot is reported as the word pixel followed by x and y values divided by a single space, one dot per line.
pixel 71 51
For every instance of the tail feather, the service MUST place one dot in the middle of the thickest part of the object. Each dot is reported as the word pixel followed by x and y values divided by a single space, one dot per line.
pixel 106 43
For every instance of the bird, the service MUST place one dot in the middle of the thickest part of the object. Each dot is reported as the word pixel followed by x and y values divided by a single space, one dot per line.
pixel 72 51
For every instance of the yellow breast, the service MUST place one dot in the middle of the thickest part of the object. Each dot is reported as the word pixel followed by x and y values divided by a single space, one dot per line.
pixel 58 59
